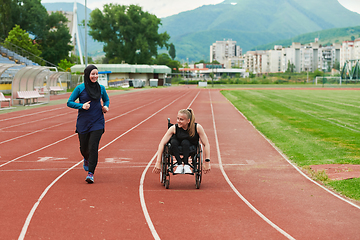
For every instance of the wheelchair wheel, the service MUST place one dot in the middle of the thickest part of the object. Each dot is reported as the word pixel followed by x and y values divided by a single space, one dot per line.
pixel 163 169
pixel 165 162
pixel 167 183
pixel 198 164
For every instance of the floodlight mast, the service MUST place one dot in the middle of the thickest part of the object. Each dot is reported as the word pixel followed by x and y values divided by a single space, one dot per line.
pixel 75 34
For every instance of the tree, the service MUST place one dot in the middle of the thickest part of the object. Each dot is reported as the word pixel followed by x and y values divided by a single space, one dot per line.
pixel 164 59
pixel 172 51
pixel 66 65
pixel 33 18
pixel 56 41
pixel 129 34
pixel 290 68
pixel 21 38
pixel 8 14
pixel 336 65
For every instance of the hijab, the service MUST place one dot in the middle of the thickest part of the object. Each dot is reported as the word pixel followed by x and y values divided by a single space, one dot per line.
pixel 92 88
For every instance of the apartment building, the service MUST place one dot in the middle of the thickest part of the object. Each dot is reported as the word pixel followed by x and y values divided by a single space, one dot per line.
pixel 226 52
pixel 253 61
pixel 303 57
pixel 347 52
pixel 271 60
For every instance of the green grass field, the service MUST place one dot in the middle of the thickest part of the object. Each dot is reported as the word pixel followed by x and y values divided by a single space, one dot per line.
pixel 311 127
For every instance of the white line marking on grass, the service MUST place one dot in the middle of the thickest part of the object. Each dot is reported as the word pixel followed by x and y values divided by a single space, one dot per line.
pixel 297 169
pixel 29 217
pixel 234 188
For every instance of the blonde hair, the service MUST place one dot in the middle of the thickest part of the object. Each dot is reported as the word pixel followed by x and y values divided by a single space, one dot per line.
pixel 190 115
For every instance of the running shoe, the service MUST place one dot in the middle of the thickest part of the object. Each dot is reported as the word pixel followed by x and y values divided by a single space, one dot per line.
pixel 187 169
pixel 86 165
pixel 179 169
pixel 90 178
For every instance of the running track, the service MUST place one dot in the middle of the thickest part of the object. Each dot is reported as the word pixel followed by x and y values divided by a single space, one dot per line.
pixel 252 192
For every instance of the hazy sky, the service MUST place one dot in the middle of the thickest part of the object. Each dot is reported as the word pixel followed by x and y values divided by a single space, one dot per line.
pixel 164 8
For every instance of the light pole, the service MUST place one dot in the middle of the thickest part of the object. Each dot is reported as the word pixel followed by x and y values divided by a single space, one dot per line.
pixel 86 59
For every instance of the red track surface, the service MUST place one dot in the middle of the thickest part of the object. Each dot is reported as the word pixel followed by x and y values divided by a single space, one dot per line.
pixel 44 196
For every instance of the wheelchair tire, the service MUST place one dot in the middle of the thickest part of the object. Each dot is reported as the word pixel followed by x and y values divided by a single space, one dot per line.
pixel 163 169
pixel 199 163
pixel 165 166
pixel 197 180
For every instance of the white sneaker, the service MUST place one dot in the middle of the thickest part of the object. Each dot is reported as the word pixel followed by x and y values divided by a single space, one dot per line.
pixel 179 169
pixel 187 169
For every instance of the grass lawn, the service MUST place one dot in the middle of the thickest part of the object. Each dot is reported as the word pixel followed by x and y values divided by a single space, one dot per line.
pixel 311 127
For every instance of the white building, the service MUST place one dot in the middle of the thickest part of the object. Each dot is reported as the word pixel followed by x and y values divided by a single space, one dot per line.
pixel 303 58
pixel 347 52
pixel 253 61
pixel 271 60
pixel 357 48
pixel 225 52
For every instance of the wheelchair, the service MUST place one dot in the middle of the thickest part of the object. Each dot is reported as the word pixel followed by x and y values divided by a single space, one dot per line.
pixel 168 163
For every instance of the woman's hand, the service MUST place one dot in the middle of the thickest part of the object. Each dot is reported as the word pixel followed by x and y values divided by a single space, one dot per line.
pixel 157 168
pixel 86 105
pixel 105 109
pixel 207 167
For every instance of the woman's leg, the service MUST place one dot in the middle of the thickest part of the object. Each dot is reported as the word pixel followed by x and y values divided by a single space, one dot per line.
pixel 185 144
pixel 84 144
pixel 175 149
pixel 93 145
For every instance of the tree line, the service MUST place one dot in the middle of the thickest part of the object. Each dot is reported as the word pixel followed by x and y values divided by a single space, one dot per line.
pixel 129 34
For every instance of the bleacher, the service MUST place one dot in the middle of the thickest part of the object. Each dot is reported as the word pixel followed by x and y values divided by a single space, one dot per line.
pixel 5 60
pixel 14 57
pixel 9 73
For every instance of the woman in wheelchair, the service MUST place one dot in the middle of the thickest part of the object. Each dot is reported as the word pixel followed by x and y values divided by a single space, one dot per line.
pixel 186 133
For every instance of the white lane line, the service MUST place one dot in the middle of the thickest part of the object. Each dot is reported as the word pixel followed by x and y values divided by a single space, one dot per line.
pixel 234 188
pixel 141 191
pixel 29 217
pixel 38 150
pixel 30 133
pixel 31 214
pixel 1 165
pixel 42 119
pixel 31 114
pixel 143 204
pixel 297 169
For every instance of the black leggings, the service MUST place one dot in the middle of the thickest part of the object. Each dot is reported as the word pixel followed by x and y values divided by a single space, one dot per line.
pixel 89 145
pixel 185 144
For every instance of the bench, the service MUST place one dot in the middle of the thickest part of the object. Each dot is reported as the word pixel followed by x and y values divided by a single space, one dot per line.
pixel 4 99
pixel 26 96
pixel 55 89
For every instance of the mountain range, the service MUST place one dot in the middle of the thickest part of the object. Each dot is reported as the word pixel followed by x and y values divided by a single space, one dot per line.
pixel 250 23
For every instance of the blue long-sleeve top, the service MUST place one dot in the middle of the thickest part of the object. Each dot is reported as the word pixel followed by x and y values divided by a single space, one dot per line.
pixel 93 118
